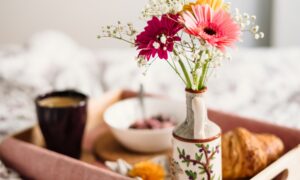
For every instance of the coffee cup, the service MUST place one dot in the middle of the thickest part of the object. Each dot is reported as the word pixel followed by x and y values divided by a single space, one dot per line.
pixel 62 116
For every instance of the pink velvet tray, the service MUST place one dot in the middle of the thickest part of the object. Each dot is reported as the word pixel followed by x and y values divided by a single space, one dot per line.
pixel 24 151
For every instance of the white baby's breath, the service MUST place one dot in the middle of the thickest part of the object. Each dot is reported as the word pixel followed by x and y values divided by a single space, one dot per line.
pixel 255 29
pixel 247 23
pixel 160 7
pixel 141 61
pixel 119 31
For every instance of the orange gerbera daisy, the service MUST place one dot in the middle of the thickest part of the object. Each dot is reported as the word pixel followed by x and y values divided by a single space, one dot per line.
pixel 214 4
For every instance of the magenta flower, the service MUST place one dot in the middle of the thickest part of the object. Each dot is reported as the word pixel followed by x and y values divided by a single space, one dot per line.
pixel 158 37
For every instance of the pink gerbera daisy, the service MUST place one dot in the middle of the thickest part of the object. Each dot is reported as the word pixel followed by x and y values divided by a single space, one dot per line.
pixel 158 37
pixel 217 28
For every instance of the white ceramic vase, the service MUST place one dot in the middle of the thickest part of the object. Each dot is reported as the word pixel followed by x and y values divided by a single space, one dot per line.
pixel 196 143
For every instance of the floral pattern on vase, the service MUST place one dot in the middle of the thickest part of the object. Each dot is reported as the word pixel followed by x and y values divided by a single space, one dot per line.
pixel 197 160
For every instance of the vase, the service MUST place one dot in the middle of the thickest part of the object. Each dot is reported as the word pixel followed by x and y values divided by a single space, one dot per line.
pixel 196 143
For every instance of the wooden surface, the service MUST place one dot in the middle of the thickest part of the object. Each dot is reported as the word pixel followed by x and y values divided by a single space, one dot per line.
pixel 287 167
pixel 107 148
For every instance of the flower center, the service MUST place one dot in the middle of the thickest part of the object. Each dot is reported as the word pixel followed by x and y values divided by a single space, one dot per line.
pixel 162 38
pixel 210 31
pixel 156 45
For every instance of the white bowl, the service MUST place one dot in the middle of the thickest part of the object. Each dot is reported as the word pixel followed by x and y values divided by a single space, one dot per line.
pixel 124 113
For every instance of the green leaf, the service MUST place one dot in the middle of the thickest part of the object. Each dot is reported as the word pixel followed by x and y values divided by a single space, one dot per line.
pixel 188 173
pixel 199 145
pixel 183 152
pixel 200 167
pixel 201 155
pixel 188 163
pixel 192 174
pixel 178 150
pixel 195 175
pixel 202 172
pixel 198 157
pixel 207 147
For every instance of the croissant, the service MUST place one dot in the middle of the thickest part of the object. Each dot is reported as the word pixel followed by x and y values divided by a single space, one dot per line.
pixel 245 154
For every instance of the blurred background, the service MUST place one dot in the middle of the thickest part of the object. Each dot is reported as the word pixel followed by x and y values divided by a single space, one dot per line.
pixel 52 44
pixel 82 19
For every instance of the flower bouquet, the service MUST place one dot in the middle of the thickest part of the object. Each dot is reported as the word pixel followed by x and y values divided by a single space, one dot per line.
pixel 193 38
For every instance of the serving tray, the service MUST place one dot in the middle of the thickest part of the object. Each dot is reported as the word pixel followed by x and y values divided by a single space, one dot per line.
pixel 24 151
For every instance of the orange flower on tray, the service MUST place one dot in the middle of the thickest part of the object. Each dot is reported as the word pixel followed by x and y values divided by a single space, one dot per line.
pixel 147 171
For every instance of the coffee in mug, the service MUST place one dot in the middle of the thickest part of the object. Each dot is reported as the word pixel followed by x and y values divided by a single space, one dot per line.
pixel 62 117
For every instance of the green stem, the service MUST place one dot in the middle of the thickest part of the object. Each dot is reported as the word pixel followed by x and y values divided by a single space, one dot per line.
pixel 187 77
pixel 176 71
pixel 197 65
pixel 195 75
pixel 118 38
pixel 203 76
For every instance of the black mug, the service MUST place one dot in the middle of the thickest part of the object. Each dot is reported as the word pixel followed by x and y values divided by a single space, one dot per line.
pixel 62 116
